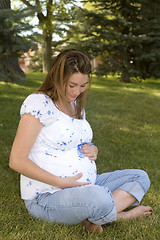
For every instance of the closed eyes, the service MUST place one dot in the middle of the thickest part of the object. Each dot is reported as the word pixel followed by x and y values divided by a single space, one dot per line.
pixel 73 85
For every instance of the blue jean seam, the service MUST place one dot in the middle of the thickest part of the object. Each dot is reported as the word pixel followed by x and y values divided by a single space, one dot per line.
pixel 94 208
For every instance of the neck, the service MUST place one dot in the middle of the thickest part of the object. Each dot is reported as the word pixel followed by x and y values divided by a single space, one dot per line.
pixel 67 108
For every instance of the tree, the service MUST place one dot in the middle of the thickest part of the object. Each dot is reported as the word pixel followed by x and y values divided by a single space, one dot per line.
pixel 12 44
pixel 147 58
pixel 9 65
pixel 52 16
pixel 36 65
pixel 125 34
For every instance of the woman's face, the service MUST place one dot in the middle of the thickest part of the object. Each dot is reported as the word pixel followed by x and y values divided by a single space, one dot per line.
pixel 77 84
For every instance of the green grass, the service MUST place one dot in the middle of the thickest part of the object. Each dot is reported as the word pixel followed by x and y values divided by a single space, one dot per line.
pixel 126 123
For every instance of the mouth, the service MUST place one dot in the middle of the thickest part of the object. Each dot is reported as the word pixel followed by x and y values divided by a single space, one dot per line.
pixel 74 97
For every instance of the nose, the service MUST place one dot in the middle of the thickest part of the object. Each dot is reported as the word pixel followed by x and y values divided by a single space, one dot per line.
pixel 77 91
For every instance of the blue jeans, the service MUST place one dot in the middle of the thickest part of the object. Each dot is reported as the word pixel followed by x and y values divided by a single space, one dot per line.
pixel 92 202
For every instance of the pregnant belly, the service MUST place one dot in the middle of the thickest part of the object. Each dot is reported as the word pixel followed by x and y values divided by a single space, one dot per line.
pixel 86 167
pixel 68 163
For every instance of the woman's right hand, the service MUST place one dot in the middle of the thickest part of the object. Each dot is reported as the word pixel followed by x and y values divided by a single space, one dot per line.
pixel 69 182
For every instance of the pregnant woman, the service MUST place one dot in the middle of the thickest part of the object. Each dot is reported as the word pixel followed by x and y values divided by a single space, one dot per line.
pixel 54 153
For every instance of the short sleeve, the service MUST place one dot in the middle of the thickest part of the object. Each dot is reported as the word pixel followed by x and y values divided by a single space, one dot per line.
pixel 40 106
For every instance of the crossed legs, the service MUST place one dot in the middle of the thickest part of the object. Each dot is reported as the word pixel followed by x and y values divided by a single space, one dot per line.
pixel 100 203
pixel 123 192
pixel 122 201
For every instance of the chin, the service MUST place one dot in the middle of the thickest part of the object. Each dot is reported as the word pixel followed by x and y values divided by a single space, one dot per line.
pixel 71 99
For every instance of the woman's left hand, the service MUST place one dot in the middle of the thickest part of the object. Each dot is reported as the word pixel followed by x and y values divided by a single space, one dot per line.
pixel 90 151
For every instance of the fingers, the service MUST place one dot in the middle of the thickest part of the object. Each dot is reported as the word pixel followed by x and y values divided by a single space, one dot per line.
pixel 69 182
pixel 86 147
pixel 77 176
pixel 83 183
pixel 91 157
pixel 90 151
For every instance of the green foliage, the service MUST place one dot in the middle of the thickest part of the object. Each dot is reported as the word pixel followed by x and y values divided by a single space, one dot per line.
pixel 125 34
pixel 54 19
pixel 13 44
pixel 11 29
pixel 125 122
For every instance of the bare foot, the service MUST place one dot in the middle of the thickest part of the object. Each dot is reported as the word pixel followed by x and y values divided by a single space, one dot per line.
pixel 140 211
pixel 92 227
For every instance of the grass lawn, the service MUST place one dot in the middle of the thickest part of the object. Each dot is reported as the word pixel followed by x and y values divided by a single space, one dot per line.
pixel 125 119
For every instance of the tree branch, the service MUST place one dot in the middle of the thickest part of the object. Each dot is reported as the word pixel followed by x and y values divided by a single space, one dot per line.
pixel 27 3
pixel 49 8
pixel 40 15
pixel 38 3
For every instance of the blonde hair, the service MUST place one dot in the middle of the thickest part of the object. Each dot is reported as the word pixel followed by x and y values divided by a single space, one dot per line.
pixel 65 64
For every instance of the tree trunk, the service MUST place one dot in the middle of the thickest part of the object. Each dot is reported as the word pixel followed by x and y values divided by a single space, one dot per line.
pixel 125 75
pixel 4 4
pixel 47 51
pixel 9 64
pixel 10 68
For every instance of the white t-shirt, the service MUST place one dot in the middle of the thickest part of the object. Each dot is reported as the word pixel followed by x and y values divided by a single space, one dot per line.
pixel 56 148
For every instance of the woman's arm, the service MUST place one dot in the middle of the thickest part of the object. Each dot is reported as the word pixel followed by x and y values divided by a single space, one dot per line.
pixel 28 130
